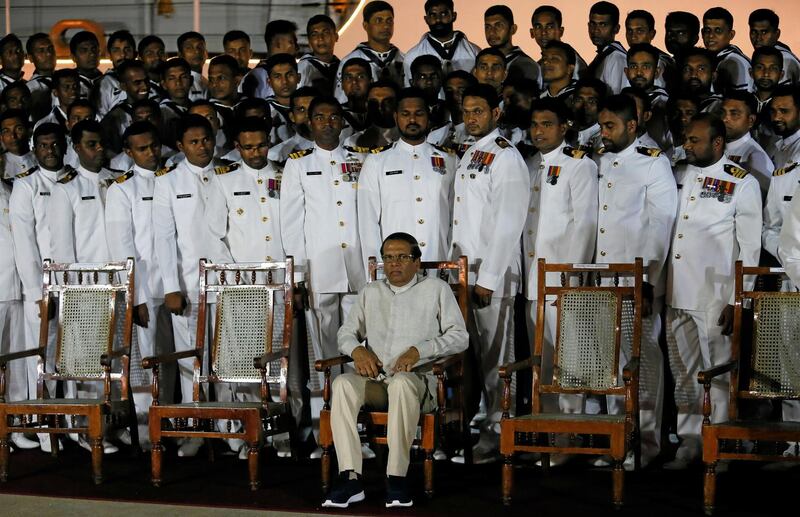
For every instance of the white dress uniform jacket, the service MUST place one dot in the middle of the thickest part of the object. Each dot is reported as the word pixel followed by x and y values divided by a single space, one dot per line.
pixel 750 156
pixel 244 212
pixel 129 229
pixel 562 217
pixel 407 188
pixel 319 222
pixel 789 246
pixel 16 164
pixel 786 149
pixel 10 288
pixel 30 226
pixel 456 54
pixel 492 190
pixel 77 217
pixel 637 200
pixel 182 236
pixel 782 190
pixel 719 222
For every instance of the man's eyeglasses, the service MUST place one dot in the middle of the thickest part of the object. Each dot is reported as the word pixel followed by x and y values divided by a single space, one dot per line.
pixel 403 259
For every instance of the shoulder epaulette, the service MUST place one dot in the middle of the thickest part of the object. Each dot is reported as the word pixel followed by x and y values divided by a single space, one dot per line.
pixel 165 170
pixel 574 153
pixel 649 151
pixel 26 173
pixel 225 169
pixel 358 149
pixel 778 172
pixel 736 172
pixel 502 142
pixel 122 179
pixel 444 149
pixel 299 154
pixel 115 171
pixel 377 149
pixel 71 175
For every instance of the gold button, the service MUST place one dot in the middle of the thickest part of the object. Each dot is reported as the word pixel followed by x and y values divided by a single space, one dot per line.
pixel 605 207
pixel 333 162
pixel 263 200
pixel 417 177
pixel 205 179
pixel 421 221
pixel 341 223
pixel 531 254
pixel 267 238
pixel 264 219
pixel 691 198
pixel 259 181
pixel 338 203
pixel 531 210
pixel 455 221
pixel 419 199
pixel 268 258
pixel 677 255
pixel 609 184
pixel 536 189
pixel 530 232
pixel 603 253
pixel 422 244
pixel 462 176
pixel 458 198
pixel 680 236
pixel 335 182
pixel 699 179
pixel 415 156
pixel 344 245
pixel 685 216
pixel 602 230
pixel 615 164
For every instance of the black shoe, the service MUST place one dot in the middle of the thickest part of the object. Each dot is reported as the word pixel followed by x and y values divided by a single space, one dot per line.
pixel 397 493
pixel 345 492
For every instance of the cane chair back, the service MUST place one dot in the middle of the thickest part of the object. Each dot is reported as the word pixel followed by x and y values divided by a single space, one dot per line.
pixel 775 366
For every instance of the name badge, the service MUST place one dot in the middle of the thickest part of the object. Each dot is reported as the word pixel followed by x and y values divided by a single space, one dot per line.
pixel 241 193
pixel 787 198
pixel 86 198
pixel 148 198
pixel 393 173
pixel 44 193
pixel 183 196
pixel 314 173
pixel 680 186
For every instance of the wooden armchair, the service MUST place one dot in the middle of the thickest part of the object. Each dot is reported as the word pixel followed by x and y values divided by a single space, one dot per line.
pixel 589 332
pixel 771 371
pixel 449 416
pixel 252 335
pixel 90 322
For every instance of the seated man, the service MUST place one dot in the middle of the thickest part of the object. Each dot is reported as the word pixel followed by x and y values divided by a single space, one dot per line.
pixel 408 319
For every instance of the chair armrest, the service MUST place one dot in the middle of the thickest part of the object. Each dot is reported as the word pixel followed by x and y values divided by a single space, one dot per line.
pixel 507 369
pixel 6 358
pixel 150 362
pixel 323 364
pixel 106 359
pixel 629 369
pixel 443 363
pixel 705 376
pixel 262 362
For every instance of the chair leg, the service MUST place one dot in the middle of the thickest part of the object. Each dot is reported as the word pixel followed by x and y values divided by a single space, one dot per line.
pixel 254 466
pixel 54 445
pixel 4 454
pixel 326 468
pixel 155 462
pixel 96 440
pixel 545 463
pixel 618 476
pixel 428 467
pixel 508 478
pixel 709 487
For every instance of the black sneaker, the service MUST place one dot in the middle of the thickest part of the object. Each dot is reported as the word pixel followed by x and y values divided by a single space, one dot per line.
pixel 397 493
pixel 345 492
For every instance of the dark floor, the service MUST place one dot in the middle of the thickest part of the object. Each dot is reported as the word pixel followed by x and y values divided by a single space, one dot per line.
pixel 575 489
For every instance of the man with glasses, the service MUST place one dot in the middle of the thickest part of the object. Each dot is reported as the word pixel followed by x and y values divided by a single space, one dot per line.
pixel 385 347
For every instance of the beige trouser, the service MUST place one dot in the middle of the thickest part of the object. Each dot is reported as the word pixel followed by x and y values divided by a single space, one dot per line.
pixel 403 395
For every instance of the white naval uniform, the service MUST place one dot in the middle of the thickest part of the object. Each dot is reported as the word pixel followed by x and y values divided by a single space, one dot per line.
pixel 391 61
pixel 561 227
pixel 734 66
pixel 319 227
pixel 129 231
pixel 458 53
pixel 719 222
pixel 30 228
pixel 16 164
pixel 492 191
pixel 109 93
pixel 12 322
pixel 609 66
pixel 280 153
pixel 791 65
pixel 636 207
pixel 750 156
pixel 786 149
pixel 407 188
pixel 781 192
pixel 182 238
pixel 199 89
pixel 255 83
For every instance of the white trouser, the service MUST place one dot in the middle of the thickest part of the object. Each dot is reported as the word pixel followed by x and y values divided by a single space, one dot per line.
pixel 32 326
pixel 155 339
pixel 651 378
pixel 184 331
pixel 328 312
pixel 695 342
pixel 491 335
pixel 550 402
pixel 403 396
pixel 12 339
